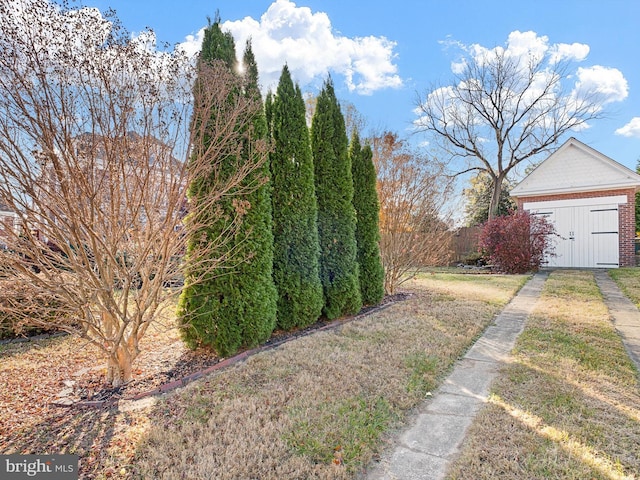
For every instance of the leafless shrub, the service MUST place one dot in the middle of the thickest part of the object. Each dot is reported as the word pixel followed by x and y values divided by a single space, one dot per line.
pixel 414 222
pixel 94 137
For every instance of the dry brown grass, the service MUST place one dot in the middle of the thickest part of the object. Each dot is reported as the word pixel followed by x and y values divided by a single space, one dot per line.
pixel 317 407
pixel 568 406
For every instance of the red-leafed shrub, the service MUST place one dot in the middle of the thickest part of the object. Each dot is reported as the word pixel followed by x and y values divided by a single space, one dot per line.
pixel 516 243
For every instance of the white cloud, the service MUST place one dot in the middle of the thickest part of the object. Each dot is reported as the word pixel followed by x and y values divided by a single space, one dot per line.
pixel 518 44
pixel 458 67
pixel 631 129
pixel 522 45
pixel 608 84
pixel 307 43
pixel 192 43
pixel 564 51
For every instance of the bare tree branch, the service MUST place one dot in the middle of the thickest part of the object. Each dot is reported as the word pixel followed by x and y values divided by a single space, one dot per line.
pixel 503 109
pixel 414 224
pixel 94 141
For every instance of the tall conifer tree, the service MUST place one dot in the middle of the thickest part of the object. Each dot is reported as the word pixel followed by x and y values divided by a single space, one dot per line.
pixel 336 215
pixel 255 275
pixel 295 212
pixel 365 202
pixel 234 306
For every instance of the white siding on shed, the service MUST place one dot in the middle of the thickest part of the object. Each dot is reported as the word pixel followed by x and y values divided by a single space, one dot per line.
pixel 576 167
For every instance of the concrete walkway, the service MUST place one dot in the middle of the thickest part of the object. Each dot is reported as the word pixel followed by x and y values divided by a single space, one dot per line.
pixel 424 450
pixel 624 314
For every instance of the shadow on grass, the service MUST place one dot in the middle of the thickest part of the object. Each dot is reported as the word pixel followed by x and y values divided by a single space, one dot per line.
pixel 569 404
pixel 559 431
pixel 87 432
pixel 565 428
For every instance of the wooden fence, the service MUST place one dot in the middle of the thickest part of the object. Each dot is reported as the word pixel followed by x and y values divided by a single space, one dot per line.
pixel 464 243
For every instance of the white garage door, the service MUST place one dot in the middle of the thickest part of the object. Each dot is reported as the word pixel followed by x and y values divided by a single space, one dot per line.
pixel 587 235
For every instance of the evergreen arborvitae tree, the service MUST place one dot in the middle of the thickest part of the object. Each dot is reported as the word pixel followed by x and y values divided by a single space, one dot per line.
pixel 255 276
pixel 268 113
pixel 234 306
pixel 336 215
pixel 365 202
pixel 295 211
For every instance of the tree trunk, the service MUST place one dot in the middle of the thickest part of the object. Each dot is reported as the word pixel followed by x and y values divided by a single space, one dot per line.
pixel 119 367
pixel 494 203
pixel 120 356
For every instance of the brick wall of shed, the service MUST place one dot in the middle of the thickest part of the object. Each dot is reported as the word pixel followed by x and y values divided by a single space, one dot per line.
pixel 626 217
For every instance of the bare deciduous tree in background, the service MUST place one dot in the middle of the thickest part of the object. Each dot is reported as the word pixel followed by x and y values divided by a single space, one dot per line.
pixel 94 132
pixel 504 107
pixel 414 221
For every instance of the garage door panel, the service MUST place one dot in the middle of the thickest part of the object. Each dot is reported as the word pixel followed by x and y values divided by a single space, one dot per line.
pixel 587 236
pixel 605 235
pixel 561 243
pixel 583 241
pixel 564 244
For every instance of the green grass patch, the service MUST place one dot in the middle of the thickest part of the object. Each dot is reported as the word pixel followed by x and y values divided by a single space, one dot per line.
pixel 562 344
pixel 339 432
pixel 423 369
pixel 573 285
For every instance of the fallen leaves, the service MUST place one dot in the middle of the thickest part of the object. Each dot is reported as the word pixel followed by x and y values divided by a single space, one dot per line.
pixel 36 374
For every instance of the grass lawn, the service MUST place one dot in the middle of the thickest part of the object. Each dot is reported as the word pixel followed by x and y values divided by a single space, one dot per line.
pixel 315 407
pixel 318 407
pixel 568 405
pixel 628 279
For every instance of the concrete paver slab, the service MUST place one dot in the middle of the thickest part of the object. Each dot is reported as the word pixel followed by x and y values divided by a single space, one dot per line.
pixel 487 350
pixel 624 314
pixel 453 404
pixel 424 449
pixel 510 320
pixel 406 464
pixel 471 378
pixel 433 433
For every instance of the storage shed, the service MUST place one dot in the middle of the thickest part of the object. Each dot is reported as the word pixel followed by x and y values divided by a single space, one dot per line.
pixel 591 200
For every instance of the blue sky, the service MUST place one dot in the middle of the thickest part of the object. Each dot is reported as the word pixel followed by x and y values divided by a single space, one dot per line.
pixel 381 54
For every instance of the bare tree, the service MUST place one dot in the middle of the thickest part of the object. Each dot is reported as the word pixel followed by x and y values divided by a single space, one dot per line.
pixel 94 137
pixel 353 119
pixel 414 221
pixel 504 108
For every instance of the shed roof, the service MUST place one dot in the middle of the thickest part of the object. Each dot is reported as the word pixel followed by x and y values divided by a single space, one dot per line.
pixel 576 167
